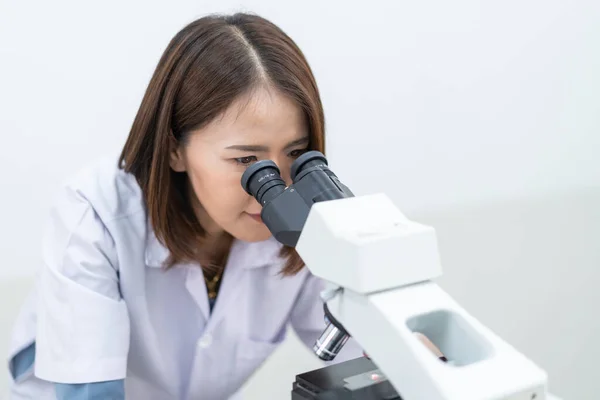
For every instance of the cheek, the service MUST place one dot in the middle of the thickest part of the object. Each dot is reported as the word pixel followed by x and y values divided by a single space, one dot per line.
pixel 220 192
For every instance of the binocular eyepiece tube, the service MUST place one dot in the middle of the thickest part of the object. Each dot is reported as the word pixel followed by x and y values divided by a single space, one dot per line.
pixel 264 176
pixel 285 210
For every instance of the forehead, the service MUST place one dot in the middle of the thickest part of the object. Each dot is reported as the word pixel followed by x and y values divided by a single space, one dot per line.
pixel 264 116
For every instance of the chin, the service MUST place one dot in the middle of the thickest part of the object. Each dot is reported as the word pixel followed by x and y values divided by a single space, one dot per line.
pixel 252 234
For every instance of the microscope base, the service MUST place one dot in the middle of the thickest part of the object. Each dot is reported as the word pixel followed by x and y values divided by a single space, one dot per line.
pixel 357 379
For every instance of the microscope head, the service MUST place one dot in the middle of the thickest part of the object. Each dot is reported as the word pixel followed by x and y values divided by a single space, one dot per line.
pixel 363 243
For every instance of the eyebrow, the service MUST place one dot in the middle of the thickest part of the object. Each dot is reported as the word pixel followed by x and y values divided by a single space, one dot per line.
pixel 262 148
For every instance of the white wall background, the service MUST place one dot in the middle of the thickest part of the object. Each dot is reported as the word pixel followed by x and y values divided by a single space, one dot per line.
pixel 481 118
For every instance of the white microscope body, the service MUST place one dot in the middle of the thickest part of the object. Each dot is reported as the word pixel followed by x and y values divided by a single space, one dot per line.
pixel 384 265
pixel 381 266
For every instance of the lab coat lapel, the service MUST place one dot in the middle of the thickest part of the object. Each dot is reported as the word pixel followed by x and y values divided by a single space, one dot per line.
pixel 196 286
pixel 156 257
pixel 244 258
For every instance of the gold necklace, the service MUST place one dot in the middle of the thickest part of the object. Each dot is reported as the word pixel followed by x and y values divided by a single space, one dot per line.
pixel 212 285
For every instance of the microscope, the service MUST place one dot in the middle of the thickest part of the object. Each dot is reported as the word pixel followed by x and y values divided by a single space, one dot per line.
pixel 379 267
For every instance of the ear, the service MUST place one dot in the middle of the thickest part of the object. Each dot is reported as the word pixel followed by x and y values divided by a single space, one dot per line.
pixel 176 157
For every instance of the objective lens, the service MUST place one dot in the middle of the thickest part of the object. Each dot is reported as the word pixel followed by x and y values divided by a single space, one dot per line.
pixel 306 161
pixel 263 181
pixel 330 343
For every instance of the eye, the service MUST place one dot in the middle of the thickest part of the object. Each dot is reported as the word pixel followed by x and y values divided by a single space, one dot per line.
pixel 297 152
pixel 245 160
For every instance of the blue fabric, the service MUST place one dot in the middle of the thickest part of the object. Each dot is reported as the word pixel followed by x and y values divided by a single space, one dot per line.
pixel 22 362
pixel 109 390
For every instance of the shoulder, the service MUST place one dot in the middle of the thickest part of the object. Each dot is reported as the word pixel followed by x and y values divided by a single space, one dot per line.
pixel 110 191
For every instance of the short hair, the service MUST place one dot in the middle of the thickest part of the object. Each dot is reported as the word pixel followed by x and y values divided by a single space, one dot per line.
pixel 208 65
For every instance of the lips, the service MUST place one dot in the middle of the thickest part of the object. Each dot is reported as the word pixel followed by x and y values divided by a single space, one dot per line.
pixel 255 217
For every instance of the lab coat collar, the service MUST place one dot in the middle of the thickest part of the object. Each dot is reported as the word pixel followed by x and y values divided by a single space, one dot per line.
pixel 244 256
pixel 247 255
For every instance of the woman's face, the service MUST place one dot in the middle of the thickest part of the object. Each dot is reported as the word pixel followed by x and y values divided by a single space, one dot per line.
pixel 263 125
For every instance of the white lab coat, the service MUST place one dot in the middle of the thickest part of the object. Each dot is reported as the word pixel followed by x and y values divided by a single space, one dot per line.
pixel 104 309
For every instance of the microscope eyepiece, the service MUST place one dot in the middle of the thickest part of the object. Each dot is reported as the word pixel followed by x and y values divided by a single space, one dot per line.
pixel 306 161
pixel 263 181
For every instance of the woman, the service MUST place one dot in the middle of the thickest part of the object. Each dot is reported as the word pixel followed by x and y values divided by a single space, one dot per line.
pixel 159 279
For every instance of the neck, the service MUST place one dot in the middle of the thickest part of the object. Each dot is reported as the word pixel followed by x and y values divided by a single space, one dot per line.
pixel 214 255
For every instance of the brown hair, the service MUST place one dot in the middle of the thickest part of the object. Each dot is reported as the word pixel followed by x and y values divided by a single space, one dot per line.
pixel 207 66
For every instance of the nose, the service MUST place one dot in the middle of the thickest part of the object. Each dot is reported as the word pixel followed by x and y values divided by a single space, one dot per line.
pixel 284 169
